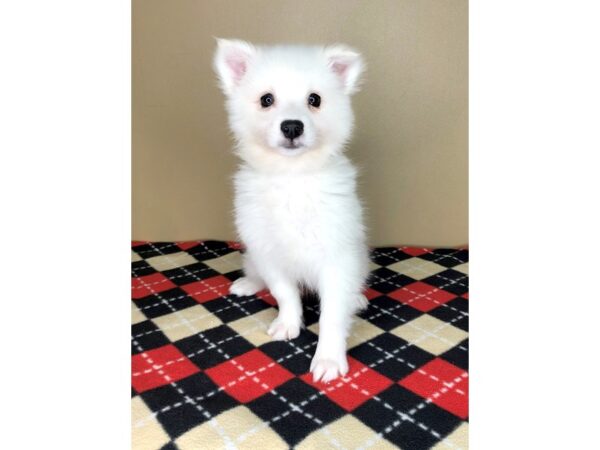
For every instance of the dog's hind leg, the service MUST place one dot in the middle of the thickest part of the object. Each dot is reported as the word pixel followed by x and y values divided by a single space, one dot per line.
pixel 249 284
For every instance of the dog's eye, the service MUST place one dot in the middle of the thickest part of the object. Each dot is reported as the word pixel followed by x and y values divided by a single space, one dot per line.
pixel 314 100
pixel 267 100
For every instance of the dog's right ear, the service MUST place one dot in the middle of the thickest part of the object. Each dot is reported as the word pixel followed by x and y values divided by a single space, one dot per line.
pixel 231 62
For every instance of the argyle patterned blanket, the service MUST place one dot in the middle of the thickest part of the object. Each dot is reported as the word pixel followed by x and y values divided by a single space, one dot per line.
pixel 205 374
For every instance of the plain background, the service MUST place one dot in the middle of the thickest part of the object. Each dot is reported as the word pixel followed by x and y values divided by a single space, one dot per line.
pixel 410 141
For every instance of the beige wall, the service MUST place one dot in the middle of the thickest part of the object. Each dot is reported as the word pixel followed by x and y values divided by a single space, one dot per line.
pixel 411 136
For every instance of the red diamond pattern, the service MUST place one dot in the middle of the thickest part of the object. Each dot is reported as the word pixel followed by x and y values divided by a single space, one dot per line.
pixel 209 289
pixel 235 245
pixel 354 390
pixel 414 251
pixel 249 376
pixel 445 384
pixel 158 367
pixel 267 297
pixel 187 244
pixel 421 296
pixel 150 284
pixel 371 293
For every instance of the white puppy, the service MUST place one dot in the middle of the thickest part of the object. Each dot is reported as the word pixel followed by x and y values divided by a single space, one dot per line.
pixel 296 207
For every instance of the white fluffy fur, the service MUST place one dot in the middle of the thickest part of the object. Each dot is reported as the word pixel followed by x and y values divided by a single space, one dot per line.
pixel 296 209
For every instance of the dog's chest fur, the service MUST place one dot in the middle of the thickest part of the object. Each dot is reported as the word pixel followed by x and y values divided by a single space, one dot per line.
pixel 302 218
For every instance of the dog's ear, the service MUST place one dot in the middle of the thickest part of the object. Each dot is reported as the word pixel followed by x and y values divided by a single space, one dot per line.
pixel 347 64
pixel 231 62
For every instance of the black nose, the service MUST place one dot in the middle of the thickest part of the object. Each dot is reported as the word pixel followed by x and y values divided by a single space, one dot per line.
pixel 291 129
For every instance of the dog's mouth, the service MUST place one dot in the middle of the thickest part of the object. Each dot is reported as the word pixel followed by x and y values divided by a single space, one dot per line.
pixel 291 144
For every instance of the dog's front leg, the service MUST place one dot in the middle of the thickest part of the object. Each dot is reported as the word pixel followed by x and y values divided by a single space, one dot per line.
pixel 338 303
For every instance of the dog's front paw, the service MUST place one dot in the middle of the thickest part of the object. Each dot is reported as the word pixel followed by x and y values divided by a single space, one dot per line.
pixel 327 369
pixel 245 286
pixel 284 330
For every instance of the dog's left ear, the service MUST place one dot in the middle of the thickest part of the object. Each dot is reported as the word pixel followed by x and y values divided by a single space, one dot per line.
pixel 347 64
